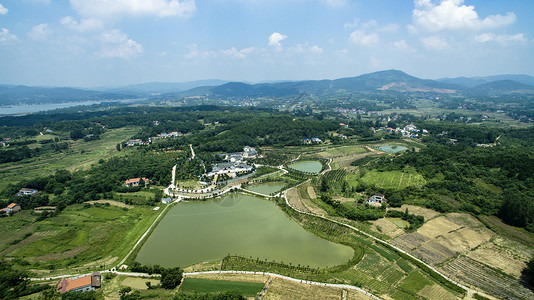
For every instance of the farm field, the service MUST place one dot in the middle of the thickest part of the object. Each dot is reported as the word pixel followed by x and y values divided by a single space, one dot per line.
pixel 79 155
pixel 345 150
pixel 94 237
pixel 201 285
pixel 281 289
pixel 388 180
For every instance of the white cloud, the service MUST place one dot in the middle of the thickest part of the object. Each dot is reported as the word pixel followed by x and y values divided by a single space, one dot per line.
pixel 134 8
pixel 3 10
pixel 454 15
pixel 402 45
pixel 503 39
pixel 5 36
pixel 234 53
pixel 40 32
pixel 85 25
pixel 363 38
pixel 316 49
pixel 354 24
pixel 194 53
pixel 435 43
pixel 117 45
pixel 275 39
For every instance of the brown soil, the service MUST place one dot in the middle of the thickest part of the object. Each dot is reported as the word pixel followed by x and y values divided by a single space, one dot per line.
pixel 436 227
pixel 112 202
pixel 428 214
pixel 386 227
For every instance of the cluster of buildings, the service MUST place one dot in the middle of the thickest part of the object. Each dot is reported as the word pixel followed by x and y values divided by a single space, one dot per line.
pixel 236 163
pixel 165 135
pixel 313 140
pixel 137 142
pixel 27 192
pixel 409 131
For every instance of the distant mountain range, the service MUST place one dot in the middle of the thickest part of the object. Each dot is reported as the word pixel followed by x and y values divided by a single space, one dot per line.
pixel 390 81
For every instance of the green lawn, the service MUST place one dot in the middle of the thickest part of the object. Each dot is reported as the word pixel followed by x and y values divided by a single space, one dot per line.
pixel 346 150
pixel 415 282
pixel 200 285
pixel 76 236
pixel 71 159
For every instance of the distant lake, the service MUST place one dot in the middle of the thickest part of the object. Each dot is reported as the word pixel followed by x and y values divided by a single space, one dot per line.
pixel 26 109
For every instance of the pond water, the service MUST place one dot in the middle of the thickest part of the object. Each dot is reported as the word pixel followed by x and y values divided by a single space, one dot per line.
pixel 194 232
pixel 267 188
pixel 310 166
pixel 392 148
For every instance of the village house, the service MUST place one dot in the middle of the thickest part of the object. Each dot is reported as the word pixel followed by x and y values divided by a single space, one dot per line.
pixel 231 169
pixel 137 142
pixel 136 181
pixel 80 284
pixel 11 208
pixel 377 200
pixel 27 192
pixel 249 152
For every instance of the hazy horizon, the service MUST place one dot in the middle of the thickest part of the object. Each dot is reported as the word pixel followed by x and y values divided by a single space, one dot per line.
pixel 95 43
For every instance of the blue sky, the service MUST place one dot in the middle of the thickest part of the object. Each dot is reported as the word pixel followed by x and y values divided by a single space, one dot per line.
pixel 114 42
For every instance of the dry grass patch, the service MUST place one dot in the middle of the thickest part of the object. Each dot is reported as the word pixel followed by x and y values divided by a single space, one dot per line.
pixel 510 260
pixel 436 227
pixel 111 202
pixel 295 200
pixel 311 192
pixel 428 214
pixel 463 240
pixel 386 227
pixel 467 220
pixel 285 289
pixel 138 283
pixel 435 291
pixel 204 266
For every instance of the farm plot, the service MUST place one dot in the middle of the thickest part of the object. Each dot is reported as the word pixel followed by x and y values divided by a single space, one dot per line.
pixel 474 273
pixel 463 240
pixel 393 179
pixel 435 291
pixel 201 285
pixel 138 283
pixel 409 241
pixel 436 227
pixel 285 289
pixel 386 227
pixel 433 252
pixel 499 254
pixel 415 282
pixel 428 214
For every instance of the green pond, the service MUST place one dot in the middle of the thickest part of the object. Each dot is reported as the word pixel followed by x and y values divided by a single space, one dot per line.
pixel 392 148
pixel 267 188
pixel 194 232
pixel 310 166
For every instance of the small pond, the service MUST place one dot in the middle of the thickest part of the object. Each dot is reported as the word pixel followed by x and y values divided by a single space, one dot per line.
pixel 267 188
pixel 194 232
pixel 392 148
pixel 310 166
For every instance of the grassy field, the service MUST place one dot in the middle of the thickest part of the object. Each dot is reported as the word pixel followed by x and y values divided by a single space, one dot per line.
pixel 345 150
pixel 79 155
pixel 77 239
pixel 388 180
pixel 200 285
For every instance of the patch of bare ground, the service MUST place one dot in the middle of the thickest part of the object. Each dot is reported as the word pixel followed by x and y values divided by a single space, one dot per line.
pixel 204 266
pixel 436 227
pixel 311 192
pixel 232 277
pixel 294 199
pixel 304 198
pixel 433 252
pixel 428 214
pixel 472 272
pixel 285 289
pixel 463 240
pixel 343 199
pixel 386 227
pixel 500 254
pixel 32 238
pixel 65 254
pixel 467 220
pixel 111 202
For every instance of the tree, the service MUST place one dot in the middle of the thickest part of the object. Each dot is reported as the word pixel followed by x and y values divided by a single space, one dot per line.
pixel 171 278
pixel 118 146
